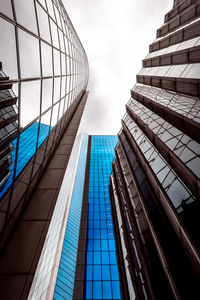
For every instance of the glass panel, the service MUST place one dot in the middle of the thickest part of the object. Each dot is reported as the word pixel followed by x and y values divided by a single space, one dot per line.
pixel 43 24
pixel 46 93
pixel 192 71
pixel 56 62
pixel 63 92
pixel 61 108
pixel 161 71
pixel 29 48
pixel 43 3
pixel 57 16
pixel 6 8
pixel 61 38
pixel 176 71
pixel 56 89
pixel 54 33
pixel 25 12
pixel 46 60
pixel 8 49
pixel 45 119
pixel 55 115
pixel 50 8
pixel 195 166
pixel 30 101
pixel 189 43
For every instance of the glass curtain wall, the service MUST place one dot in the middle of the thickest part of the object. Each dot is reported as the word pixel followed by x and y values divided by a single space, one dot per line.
pixel 101 269
pixel 44 68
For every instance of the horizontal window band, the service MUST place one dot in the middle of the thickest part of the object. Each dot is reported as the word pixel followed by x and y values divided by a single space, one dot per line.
pixel 186 125
pixel 181 35
pixel 167 205
pixel 178 9
pixel 180 85
pixel 186 56
pixel 188 14
pixel 186 175
pixel 8 102
pixel 8 120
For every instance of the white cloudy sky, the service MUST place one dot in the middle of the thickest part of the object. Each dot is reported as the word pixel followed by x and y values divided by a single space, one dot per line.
pixel 116 35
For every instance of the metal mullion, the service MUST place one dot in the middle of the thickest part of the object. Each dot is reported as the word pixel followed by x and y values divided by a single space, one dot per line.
pixel 65 72
pixel 53 62
pixel 52 47
pixel 72 68
pixel 60 72
pixel 42 5
pixel 69 60
pixel 41 86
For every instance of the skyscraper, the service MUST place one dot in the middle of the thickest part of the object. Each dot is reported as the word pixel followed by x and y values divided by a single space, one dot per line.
pixel 43 81
pixel 79 259
pixel 155 183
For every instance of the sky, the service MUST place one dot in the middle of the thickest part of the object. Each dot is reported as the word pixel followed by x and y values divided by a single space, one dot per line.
pixel 116 35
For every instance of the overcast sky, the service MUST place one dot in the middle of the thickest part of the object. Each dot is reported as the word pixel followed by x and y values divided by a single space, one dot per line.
pixel 116 35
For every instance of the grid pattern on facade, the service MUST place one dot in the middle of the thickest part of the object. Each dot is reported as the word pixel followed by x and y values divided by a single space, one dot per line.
pixel 101 269
pixel 46 66
pixel 67 267
pixel 26 149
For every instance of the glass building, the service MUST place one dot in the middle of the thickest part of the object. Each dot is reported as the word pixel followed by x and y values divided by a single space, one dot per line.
pixel 155 183
pixel 43 81
pixel 79 259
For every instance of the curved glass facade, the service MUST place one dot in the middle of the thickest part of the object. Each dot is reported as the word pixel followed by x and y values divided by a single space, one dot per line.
pixel 46 71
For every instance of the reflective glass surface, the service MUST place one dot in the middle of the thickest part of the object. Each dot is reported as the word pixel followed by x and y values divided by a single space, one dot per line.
pixel 46 68
pixel 177 141
pixel 26 148
pixel 178 193
pixel 182 104
pixel 101 269
pixel 66 272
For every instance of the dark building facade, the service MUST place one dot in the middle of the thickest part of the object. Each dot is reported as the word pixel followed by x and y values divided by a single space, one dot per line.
pixel 155 183
pixel 43 81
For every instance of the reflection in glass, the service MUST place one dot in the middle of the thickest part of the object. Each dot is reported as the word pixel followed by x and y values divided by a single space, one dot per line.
pixel 26 149
pixel 8 49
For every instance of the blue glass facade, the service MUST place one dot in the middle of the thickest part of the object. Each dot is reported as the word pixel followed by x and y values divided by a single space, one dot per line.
pixel 66 272
pixel 101 269
pixel 100 272
pixel 26 149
